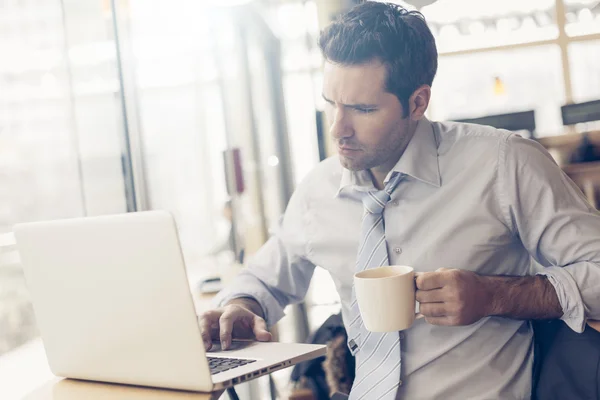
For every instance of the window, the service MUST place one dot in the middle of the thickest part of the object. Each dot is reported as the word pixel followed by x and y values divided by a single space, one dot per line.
pixel 582 17
pixel 584 60
pixel 296 25
pixel 511 56
pixel 474 85
pixel 60 129
pixel 473 24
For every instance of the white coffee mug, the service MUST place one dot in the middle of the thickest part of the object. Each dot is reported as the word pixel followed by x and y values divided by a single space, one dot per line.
pixel 386 298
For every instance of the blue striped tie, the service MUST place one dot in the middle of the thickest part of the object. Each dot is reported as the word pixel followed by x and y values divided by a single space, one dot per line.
pixel 378 358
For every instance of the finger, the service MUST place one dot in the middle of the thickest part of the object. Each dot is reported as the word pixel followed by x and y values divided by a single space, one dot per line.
pixel 205 330
pixel 260 330
pixel 212 315
pixel 433 310
pixel 209 325
pixel 226 327
pixel 430 280
pixel 430 296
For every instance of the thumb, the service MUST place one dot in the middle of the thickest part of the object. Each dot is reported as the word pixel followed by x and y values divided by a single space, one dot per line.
pixel 260 330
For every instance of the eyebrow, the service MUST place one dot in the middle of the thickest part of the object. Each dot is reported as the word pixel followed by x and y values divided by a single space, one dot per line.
pixel 358 105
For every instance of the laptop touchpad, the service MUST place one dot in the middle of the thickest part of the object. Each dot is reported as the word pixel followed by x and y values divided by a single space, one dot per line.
pixel 235 345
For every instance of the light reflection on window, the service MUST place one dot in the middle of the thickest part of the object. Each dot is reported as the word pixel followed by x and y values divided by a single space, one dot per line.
pixel 472 24
pixel 582 17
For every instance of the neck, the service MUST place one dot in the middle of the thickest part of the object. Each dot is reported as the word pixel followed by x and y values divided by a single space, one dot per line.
pixel 379 172
pixel 378 175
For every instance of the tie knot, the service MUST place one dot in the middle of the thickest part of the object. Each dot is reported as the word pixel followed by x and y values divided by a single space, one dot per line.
pixel 374 201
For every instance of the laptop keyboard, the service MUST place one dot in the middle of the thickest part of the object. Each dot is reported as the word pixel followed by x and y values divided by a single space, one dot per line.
pixel 221 364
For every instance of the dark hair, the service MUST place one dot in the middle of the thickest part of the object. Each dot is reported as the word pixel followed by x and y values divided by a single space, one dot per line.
pixel 387 32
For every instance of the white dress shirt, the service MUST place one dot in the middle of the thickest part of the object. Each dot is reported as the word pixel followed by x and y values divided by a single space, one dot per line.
pixel 475 198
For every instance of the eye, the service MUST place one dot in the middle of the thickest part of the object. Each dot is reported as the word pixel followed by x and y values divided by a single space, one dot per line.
pixel 365 110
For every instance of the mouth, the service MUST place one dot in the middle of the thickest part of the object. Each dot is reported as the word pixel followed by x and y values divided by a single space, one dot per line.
pixel 347 150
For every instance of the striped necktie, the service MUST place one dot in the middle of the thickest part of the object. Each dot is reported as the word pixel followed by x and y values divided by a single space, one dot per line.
pixel 378 358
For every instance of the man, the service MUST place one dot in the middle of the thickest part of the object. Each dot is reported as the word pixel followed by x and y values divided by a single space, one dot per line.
pixel 467 206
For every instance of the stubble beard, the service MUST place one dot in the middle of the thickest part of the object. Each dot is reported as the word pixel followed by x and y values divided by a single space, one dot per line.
pixel 367 161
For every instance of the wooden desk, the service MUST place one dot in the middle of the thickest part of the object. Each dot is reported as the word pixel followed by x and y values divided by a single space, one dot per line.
pixel 563 146
pixel 587 177
pixel 69 389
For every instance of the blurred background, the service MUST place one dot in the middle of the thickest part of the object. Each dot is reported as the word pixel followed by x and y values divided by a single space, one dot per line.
pixel 213 111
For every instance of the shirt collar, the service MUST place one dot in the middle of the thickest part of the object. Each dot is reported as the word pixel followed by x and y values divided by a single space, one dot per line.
pixel 420 161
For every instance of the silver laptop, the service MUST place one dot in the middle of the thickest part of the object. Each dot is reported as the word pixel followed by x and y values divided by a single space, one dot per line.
pixel 113 304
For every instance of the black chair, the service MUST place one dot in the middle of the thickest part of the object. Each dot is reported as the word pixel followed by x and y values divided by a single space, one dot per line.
pixel 517 121
pixel 566 364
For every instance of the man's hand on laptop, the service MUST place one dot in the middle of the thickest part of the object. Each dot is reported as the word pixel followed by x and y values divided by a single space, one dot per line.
pixel 240 319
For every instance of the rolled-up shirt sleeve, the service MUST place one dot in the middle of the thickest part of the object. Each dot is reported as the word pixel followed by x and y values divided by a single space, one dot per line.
pixel 556 224
pixel 280 272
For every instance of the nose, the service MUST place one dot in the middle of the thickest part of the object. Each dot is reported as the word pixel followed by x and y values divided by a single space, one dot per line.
pixel 340 124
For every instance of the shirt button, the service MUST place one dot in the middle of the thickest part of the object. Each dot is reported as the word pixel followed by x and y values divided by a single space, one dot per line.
pixel 399 383
pixel 397 250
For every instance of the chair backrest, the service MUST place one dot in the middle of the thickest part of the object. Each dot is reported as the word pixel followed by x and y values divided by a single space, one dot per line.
pixel 517 121
pixel 565 362
pixel 580 112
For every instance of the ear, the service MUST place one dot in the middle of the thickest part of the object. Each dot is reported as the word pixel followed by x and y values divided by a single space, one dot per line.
pixel 419 101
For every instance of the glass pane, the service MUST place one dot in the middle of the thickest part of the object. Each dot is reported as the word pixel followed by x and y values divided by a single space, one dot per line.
pixel 300 92
pixel 60 130
pixel 296 25
pixel 194 102
pixel 269 162
pixel 97 113
pixel 471 24
pixel 497 82
pixel 179 107
pixel 38 154
pixel 582 17
pixel 246 121
pixel 39 176
pixel 584 60
pixel 293 20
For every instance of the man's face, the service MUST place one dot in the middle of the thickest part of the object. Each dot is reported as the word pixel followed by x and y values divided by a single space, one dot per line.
pixel 366 121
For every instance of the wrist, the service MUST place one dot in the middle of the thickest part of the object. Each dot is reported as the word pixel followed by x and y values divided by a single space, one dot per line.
pixel 493 290
pixel 526 297
pixel 248 303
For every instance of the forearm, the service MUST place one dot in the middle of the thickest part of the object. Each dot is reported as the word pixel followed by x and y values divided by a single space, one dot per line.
pixel 528 297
